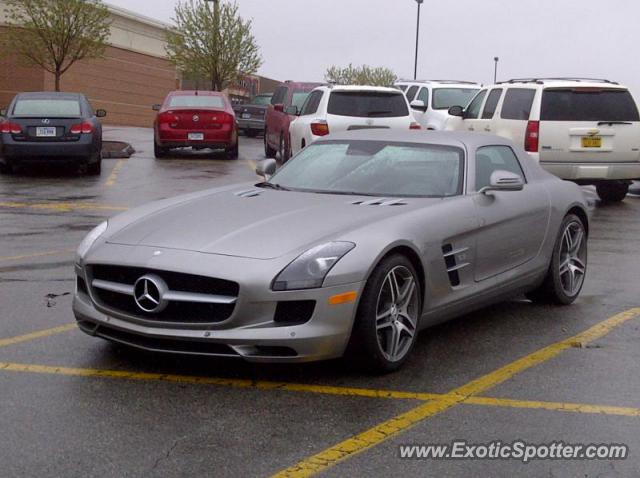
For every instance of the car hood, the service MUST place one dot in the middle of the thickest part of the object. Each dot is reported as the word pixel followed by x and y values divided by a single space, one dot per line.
pixel 253 222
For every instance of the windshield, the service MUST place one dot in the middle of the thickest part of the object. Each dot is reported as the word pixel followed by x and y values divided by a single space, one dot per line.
pixel 445 98
pixel 588 104
pixel 261 100
pixel 367 104
pixel 299 98
pixel 196 102
pixel 47 107
pixel 374 168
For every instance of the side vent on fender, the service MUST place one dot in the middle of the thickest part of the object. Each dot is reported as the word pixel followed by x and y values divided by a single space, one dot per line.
pixel 451 263
pixel 380 202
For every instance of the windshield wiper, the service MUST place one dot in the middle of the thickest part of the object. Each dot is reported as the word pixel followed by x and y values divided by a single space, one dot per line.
pixel 275 186
pixel 613 122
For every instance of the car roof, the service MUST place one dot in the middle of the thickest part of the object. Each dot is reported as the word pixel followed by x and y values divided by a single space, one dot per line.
pixel 384 89
pixel 463 139
pixel 49 95
pixel 439 82
pixel 563 82
pixel 195 93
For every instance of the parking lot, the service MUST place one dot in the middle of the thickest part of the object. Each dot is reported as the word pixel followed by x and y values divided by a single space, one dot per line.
pixel 72 405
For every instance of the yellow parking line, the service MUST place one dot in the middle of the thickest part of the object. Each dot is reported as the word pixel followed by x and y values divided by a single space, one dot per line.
pixel 556 406
pixel 392 427
pixel 37 335
pixel 114 173
pixel 60 206
pixel 34 255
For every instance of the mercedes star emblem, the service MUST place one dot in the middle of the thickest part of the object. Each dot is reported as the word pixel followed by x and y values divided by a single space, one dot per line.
pixel 148 293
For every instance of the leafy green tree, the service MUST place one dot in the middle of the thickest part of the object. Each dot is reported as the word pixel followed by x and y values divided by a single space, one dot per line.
pixel 54 34
pixel 361 75
pixel 213 42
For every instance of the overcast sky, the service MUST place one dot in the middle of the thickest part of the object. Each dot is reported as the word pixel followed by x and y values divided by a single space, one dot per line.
pixel 299 39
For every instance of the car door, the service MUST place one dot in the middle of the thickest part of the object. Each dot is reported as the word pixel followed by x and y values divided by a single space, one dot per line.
pixel 471 118
pixel 488 111
pixel 513 224
pixel 276 116
pixel 300 129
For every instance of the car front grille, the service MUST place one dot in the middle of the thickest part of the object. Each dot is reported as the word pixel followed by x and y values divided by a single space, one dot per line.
pixel 190 299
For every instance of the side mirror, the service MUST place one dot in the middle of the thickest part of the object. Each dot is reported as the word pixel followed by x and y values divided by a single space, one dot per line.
pixel 156 107
pixel 292 110
pixel 266 168
pixel 457 111
pixel 418 105
pixel 101 113
pixel 503 181
pixel 279 107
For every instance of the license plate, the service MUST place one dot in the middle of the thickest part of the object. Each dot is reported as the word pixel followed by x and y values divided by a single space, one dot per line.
pixel 196 136
pixel 592 142
pixel 246 115
pixel 45 132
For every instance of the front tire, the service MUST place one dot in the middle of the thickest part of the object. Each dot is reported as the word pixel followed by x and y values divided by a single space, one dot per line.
pixel 386 324
pixel 568 268
pixel 612 191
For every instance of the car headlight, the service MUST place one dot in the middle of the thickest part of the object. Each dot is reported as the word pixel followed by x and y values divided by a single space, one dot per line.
pixel 309 269
pixel 89 239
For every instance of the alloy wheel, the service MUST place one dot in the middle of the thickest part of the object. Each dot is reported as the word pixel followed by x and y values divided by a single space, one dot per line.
pixel 572 266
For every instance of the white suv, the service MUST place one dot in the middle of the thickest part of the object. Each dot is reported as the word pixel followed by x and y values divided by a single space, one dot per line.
pixel 431 99
pixel 330 109
pixel 583 130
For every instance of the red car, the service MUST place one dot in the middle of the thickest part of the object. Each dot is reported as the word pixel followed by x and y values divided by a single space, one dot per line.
pixel 286 101
pixel 196 119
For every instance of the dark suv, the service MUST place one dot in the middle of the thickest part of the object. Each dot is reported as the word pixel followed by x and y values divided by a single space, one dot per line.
pixel 280 114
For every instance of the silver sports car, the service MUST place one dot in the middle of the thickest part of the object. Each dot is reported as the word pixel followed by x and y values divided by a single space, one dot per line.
pixel 356 244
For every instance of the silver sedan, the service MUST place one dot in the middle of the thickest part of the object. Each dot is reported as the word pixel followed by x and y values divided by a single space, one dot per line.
pixel 355 245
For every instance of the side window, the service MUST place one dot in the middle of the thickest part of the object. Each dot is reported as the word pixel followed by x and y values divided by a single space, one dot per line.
pixel 411 93
pixel 473 111
pixel 279 95
pixel 311 104
pixel 517 103
pixel 491 104
pixel 494 158
pixel 424 96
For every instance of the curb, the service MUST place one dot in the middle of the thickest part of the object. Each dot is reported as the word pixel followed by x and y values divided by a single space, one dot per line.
pixel 116 150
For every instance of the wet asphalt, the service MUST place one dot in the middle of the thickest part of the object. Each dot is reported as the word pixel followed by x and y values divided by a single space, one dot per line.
pixel 55 420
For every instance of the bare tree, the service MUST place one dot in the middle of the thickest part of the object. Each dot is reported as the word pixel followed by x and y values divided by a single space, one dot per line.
pixel 213 43
pixel 54 34
pixel 360 75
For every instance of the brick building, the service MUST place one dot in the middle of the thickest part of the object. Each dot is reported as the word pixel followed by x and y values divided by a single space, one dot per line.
pixel 133 75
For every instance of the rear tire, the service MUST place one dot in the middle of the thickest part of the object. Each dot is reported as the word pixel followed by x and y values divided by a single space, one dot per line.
pixel 568 268
pixel 95 169
pixel 233 153
pixel 386 324
pixel 268 151
pixel 6 168
pixel 612 191
pixel 284 151
pixel 159 152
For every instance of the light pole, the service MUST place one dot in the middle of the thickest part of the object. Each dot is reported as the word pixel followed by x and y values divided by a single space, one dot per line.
pixel 495 69
pixel 415 69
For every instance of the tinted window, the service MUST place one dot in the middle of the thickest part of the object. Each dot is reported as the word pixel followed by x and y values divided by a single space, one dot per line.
pixel 377 168
pixel 369 104
pixel 47 107
pixel 424 96
pixel 402 87
pixel 411 93
pixel 491 104
pixel 473 111
pixel 279 95
pixel 312 103
pixel 588 104
pixel 494 158
pixel 298 99
pixel 445 98
pixel 261 100
pixel 517 103
pixel 196 102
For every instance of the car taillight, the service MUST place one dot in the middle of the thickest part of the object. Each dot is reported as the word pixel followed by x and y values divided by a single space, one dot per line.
pixel 81 128
pixel 415 125
pixel 168 118
pixel 320 128
pixel 8 127
pixel 532 136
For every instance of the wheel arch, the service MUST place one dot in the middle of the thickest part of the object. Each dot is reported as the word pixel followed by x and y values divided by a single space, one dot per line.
pixel 582 214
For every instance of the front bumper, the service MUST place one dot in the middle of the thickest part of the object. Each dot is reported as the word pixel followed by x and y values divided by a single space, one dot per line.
pixel 249 333
pixel 593 171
